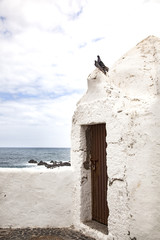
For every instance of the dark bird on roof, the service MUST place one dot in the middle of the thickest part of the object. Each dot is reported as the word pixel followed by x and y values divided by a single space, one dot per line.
pixel 99 64
pixel 102 64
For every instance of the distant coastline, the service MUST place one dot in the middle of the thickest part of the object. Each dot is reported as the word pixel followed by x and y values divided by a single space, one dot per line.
pixel 18 157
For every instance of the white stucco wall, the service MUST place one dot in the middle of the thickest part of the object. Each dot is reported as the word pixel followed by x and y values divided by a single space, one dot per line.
pixel 36 198
pixel 130 107
pixel 137 73
pixel 144 172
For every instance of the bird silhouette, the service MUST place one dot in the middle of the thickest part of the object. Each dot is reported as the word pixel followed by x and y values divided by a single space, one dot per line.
pixel 99 64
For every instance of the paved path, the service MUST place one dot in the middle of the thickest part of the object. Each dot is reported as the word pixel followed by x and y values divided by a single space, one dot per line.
pixel 41 234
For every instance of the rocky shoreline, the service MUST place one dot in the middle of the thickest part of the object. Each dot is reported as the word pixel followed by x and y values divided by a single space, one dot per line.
pixel 52 164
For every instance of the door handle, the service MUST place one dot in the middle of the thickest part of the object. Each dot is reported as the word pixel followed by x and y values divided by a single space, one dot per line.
pixel 93 165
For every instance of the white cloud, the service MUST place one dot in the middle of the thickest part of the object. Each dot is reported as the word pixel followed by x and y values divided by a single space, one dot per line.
pixel 28 120
pixel 47 50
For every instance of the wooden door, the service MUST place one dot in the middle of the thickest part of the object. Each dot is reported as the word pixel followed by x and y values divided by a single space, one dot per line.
pixel 99 177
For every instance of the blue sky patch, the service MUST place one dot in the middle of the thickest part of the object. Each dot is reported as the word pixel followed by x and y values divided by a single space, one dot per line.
pixel 58 29
pixel 83 45
pixel 6 96
pixel 97 39
pixel 54 65
pixel 7 33
pixel 2 18
pixel 59 92
pixel 76 15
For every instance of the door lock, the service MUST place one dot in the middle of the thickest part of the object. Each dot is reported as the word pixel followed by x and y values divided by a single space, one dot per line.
pixel 93 165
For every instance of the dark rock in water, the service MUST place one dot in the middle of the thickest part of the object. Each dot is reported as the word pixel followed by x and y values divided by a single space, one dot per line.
pixel 42 163
pixel 50 166
pixel 66 164
pixel 32 161
pixel 54 164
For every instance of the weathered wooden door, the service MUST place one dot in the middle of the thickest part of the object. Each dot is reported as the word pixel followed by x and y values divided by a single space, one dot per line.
pixel 99 177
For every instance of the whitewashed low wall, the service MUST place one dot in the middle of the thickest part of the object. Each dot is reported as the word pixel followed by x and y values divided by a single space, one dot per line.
pixel 36 198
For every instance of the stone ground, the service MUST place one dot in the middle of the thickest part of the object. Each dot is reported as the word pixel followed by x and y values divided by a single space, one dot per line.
pixel 41 234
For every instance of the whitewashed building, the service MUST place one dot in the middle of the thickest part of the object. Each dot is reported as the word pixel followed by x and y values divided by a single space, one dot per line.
pixel 116 148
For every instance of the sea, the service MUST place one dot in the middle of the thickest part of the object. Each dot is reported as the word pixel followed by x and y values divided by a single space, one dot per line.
pixel 19 157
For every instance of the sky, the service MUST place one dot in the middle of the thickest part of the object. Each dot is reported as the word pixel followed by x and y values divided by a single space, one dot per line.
pixel 47 51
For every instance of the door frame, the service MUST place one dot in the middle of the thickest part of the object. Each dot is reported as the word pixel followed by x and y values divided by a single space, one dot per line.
pixel 86 179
